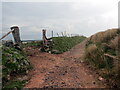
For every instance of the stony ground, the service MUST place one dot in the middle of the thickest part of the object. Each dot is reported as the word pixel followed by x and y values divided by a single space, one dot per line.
pixel 61 71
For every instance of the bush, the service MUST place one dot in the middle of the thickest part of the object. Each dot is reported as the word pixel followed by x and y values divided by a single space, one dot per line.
pixel 95 56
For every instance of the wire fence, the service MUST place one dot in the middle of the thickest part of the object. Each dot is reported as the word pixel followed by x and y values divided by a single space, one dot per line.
pixel 14 36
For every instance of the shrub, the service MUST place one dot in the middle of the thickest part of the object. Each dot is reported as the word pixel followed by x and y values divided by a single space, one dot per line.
pixel 95 56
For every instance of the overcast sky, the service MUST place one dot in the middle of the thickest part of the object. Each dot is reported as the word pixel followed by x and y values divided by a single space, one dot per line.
pixel 84 17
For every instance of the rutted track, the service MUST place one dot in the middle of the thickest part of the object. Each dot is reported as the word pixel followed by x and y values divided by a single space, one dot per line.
pixel 61 71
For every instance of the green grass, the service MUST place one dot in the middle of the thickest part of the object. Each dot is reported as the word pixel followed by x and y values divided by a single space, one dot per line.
pixel 33 44
pixel 14 63
pixel 63 44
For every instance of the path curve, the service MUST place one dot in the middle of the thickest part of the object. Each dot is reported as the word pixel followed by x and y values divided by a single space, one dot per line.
pixel 61 71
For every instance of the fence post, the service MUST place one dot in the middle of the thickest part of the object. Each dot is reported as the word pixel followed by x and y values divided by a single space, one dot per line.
pixel 52 34
pixel 65 33
pixel 44 37
pixel 16 35
pixel 62 34
pixel 58 34
pixel 68 35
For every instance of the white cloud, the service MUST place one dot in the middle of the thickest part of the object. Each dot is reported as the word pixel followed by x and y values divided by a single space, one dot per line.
pixel 80 16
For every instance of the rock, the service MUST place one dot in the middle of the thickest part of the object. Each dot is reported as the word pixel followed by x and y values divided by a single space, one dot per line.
pixel 8 77
pixel 27 82
pixel 100 78
pixel 55 51
pixel 46 78
pixel 81 61
pixel 37 55
pixel 65 71
pixel 23 78
pixel 62 82
pixel 27 72
pixel 49 51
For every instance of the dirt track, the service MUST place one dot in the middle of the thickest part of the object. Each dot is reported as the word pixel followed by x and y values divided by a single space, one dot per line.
pixel 61 71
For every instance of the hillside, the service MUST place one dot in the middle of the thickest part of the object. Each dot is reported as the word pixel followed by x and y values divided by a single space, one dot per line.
pixel 63 44
pixel 102 53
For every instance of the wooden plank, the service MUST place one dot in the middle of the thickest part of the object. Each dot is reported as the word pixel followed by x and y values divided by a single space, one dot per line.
pixel 114 57
pixel 6 34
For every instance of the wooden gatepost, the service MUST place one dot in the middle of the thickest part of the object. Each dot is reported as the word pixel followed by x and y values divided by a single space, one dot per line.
pixel 47 42
pixel 44 37
pixel 52 34
pixel 16 35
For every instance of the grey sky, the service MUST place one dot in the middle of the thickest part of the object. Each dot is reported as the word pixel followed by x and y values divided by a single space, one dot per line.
pixel 85 17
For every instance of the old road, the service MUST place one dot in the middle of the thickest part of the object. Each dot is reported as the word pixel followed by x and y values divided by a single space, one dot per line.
pixel 61 71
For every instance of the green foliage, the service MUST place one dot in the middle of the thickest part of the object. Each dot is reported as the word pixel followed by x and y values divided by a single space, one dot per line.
pixel 63 44
pixel 14 63
pixel 14 84
pixel 33 43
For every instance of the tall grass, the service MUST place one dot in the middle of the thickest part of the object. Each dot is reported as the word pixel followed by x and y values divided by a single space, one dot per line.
pixel 105 36
pixel 102 51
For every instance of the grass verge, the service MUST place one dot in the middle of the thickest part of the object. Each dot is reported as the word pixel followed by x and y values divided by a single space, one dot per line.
pixel 63 44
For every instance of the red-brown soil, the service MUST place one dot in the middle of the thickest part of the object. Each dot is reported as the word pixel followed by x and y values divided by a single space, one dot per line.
pixel 61 71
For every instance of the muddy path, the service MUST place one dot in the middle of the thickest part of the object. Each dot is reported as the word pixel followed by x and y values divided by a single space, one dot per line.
pixel 61 71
